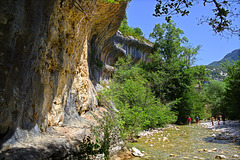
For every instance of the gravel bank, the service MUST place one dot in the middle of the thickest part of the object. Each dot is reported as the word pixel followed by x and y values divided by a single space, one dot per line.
pixel 228 131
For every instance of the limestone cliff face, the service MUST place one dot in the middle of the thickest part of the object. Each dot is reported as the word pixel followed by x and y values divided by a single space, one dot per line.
pixel 51 53
pixel 120 46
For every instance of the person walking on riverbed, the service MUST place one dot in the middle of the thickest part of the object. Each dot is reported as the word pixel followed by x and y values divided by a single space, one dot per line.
pixel 189 121
pixel 212 120
pixel 218 119
pixel 197 119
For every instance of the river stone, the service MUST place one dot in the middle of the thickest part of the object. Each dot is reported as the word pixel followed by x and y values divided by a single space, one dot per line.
pixel 165 139
pixel 200 150
pixel 220 157
pixel 235 156
pixel 172 155
pixel 151 145
pixel 185 157
pixel 136 152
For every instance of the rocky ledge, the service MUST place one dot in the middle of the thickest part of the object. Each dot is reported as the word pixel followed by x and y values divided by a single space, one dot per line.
pixel 59 142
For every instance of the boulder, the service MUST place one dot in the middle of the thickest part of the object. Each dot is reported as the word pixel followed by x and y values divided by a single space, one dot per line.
pixel 136 152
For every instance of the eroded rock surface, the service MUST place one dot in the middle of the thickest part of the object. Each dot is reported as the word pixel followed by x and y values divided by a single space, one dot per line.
pixel 53 55
pixel 50 54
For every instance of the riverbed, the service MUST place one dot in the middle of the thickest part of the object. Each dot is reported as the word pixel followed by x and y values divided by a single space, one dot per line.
pixel 186 142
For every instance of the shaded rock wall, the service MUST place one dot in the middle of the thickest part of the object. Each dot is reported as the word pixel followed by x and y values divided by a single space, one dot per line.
pixel 50 58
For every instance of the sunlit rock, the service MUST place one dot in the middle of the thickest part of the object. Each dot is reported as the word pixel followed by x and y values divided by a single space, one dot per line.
pixel 235 156
pixel 173 155
pixel 136 152
pixel 220 157
pixel 165 139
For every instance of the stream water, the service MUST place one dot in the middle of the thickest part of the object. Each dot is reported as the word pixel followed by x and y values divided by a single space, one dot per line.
pixel 185 142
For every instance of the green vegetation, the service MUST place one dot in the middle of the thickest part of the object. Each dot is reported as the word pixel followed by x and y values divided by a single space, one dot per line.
pixel 102 136
pixel 232 96
pixel 223 96
pixel 167 89
pixel 173 79
pixel 138 107
pixel 105 132
pixel 134 32
pixel 223 17
pixel 214 92
pixel 217 72
pixel 150 95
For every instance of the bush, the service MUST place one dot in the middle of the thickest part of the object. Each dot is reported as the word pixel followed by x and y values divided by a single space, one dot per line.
pixel 138 107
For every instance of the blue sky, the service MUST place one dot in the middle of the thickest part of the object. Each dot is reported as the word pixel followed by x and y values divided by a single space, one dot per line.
pixel 214 47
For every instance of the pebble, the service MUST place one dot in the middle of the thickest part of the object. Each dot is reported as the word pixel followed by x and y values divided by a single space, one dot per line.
pixel 213 135
pixel 172 155
pixel 235 156
pixel 165 139
pixel 185 157
pixel 220 157
pixel 200 150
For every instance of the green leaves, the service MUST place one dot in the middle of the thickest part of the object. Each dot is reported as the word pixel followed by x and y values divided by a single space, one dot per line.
pixel 224 13
pixel 232 96
pixel 134 32
pixel 138 107
pixel 171 73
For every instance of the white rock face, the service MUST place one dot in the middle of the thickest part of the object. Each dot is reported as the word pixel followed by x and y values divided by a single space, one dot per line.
pixel 136 152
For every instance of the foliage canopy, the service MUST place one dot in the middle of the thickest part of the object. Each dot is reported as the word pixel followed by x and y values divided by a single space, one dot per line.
pixel 225 12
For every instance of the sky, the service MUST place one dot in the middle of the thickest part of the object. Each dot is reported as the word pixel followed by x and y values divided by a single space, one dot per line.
pixel 214 47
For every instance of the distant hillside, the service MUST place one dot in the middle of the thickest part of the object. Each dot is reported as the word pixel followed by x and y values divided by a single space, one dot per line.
pixel 233 56
pixel 217 72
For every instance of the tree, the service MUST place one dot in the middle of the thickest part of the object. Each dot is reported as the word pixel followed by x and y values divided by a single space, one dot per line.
pixel 232 96
pixel 225 12
pixel 137 105
pixel 134 32
pixel 170 73
pixel 138 31
pixel 214 93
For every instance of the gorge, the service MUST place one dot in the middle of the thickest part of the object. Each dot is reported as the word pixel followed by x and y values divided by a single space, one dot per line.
pixel 53 55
